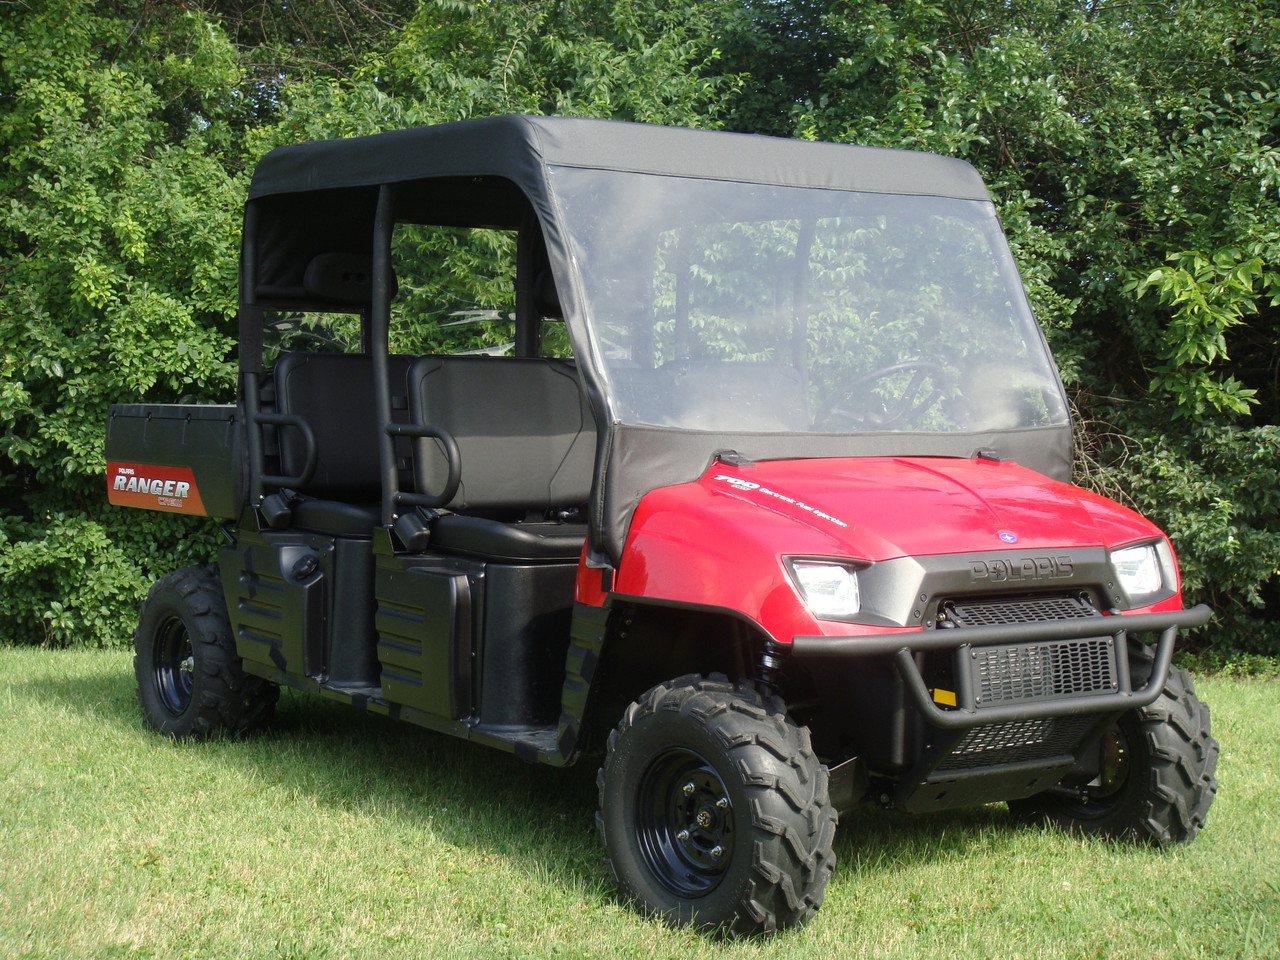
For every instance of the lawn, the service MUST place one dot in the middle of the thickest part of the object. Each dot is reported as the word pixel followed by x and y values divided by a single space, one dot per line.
pixel 346 836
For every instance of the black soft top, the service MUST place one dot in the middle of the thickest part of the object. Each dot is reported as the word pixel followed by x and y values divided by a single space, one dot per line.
pixel 520 148
pixel 327 198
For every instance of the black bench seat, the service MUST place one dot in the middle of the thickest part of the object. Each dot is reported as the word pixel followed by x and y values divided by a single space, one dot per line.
pixel 482 537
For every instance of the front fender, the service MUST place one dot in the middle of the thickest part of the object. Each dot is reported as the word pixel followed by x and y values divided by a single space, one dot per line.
pixel 691 545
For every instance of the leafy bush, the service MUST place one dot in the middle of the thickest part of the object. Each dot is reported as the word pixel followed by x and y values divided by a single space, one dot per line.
pixel 69 580
pixel 1216 492
pixel 118 238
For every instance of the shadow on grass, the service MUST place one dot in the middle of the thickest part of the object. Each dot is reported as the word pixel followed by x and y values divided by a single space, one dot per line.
pixel 873 842
pixel 476 798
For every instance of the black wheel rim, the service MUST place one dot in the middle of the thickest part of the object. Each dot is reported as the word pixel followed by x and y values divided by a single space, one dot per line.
pixel 174 662
pixel 1096 800
pixel 684 823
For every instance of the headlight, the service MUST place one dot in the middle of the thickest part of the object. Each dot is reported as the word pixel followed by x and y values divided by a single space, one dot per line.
pixel 1140 571
pixel 829 588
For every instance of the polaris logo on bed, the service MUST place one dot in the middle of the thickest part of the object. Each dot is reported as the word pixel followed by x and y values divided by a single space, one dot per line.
pixel 1015 571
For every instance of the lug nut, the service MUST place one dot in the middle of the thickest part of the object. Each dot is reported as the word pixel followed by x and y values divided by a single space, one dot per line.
pixel 723 803
pixel 688 788
pixel 682 836
pixel 717 852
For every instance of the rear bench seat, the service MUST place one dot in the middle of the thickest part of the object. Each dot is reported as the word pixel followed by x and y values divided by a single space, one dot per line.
pixel 523 428
pixel 334 393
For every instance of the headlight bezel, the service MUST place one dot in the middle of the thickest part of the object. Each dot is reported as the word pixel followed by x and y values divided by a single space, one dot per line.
pixel 1145 571
pixel 806 573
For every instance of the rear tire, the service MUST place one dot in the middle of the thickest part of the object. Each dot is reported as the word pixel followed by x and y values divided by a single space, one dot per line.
pixel 1158 781
pixel 714 809
pixel 190 681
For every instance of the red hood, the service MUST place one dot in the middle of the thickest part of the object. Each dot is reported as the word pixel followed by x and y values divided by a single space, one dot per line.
pixel 881 508
pixel 720 540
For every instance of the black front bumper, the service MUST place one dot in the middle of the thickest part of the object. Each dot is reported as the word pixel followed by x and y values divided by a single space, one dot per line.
pixel 998 748
pixel 968 712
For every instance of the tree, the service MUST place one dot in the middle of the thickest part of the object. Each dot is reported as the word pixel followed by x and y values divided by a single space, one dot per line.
pixel 127 133
pixel 1133 151
pixel 117 276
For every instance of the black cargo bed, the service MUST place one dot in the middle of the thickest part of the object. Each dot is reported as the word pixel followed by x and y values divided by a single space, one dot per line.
pixel 176 458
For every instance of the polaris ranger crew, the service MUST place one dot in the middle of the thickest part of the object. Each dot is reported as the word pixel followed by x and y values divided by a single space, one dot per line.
pixel 755 486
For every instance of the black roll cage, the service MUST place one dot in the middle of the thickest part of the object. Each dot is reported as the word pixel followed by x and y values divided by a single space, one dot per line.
pixel 500 171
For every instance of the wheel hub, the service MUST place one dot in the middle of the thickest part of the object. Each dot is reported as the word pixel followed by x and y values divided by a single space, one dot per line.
pixel 685 823
pixel 174 666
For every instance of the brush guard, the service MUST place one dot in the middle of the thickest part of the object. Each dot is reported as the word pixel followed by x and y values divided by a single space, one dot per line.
pixel 1031 698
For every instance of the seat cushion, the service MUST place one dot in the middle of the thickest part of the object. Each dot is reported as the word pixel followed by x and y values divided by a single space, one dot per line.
pixel 493 539
pixel 334 394
pixel 336 518
pixel 524 431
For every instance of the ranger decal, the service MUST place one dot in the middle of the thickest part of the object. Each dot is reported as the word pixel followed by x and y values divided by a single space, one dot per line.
pixel 172 489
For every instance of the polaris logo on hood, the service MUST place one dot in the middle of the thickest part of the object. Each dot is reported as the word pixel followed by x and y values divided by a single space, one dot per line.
pixel 1022 569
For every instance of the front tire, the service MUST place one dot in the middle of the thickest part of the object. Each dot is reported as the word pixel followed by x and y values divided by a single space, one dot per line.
pixel 190 680
pixel 714 809
pixel 1157 779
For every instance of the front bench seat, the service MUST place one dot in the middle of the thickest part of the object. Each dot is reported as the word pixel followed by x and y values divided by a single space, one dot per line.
pixel 527 441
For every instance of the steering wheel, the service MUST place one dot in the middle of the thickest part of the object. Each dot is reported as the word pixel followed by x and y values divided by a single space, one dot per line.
pixel 914 399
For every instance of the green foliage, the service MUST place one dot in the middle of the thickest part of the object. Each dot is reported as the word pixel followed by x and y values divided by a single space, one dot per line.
pixel 457 290
pixel 643 60
pixel 63 580
pixel 278 42
pixel 1208 295
pixel 118 238
pixel 1133 152
pixel 1125 131
pixel 1216 492
pixel 75 580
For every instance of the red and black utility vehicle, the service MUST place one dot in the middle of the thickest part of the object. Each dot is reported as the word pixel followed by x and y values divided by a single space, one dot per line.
pixel 766 501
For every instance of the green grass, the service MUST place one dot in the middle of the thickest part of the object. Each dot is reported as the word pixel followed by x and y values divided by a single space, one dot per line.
pixel 341 835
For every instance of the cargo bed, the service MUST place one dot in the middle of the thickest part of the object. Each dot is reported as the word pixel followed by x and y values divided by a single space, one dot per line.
pixel 175 458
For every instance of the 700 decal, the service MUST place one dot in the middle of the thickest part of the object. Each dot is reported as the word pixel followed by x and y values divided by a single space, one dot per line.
pixel 747 486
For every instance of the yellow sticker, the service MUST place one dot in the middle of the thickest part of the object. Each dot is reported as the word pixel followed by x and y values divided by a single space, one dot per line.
pixel 945 697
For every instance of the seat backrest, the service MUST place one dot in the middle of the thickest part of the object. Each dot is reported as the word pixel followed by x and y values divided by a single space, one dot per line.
pixel 524 430
pixel 334 393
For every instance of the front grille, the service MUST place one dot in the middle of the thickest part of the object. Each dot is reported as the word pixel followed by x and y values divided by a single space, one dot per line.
pixel 1037 671
pixel 1000 610
pixel 1023 673
pixel 1019 741
pixel 1026 672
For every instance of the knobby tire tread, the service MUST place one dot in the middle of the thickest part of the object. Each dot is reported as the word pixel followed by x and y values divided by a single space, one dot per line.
pixel 224 699
pixel 1176 783
pixel 792 855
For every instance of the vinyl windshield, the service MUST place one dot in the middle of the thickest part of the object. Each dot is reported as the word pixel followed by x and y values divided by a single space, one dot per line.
pixel 745 308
